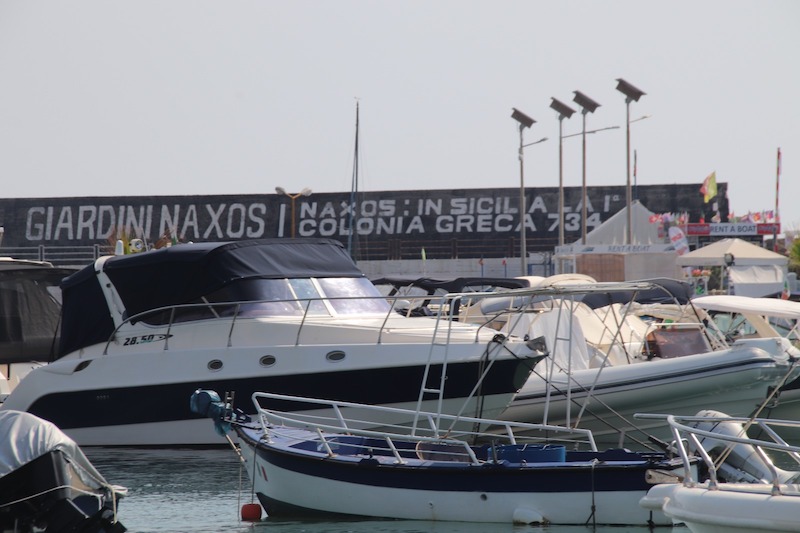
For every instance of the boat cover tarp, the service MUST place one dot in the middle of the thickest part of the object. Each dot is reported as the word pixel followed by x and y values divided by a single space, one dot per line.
pixel 27 437
pixel 455 285
pixel 563 336
pixel 185 272
pixel 664 291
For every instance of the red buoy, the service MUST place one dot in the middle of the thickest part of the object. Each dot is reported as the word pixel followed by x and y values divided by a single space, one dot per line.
pixel 251 512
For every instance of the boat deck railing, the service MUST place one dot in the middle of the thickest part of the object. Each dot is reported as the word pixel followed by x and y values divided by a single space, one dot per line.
pixel 689 440
pixel 301 310
pixel 434 436
pixel 298 311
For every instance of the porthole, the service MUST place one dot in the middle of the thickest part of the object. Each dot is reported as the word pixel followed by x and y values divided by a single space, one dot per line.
pixel 335 356
pixel 214 365
pixel 267 360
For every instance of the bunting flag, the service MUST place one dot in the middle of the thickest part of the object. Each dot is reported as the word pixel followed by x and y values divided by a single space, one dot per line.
pixel 709 188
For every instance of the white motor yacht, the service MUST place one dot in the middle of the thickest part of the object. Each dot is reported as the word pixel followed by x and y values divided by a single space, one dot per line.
pixel 141 332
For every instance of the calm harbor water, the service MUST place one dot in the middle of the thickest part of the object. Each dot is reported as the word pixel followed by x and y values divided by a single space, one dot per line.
pixel 203 490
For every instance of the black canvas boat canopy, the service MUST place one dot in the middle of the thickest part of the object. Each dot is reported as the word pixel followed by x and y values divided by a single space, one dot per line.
pixel 30 307
pixel 456 285
pixel 186 272
pixel 663 291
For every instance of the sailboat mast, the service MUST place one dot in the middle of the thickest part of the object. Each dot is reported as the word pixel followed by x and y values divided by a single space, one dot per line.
pixel 353 192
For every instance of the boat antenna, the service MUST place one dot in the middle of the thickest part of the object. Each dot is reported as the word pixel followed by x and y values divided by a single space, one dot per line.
pixel 353 191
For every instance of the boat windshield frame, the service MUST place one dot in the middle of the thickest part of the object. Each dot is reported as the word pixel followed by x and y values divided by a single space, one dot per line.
pixel 284 297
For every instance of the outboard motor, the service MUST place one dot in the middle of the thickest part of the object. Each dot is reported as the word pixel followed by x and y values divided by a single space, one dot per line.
pixel 208 403
pixel 742 463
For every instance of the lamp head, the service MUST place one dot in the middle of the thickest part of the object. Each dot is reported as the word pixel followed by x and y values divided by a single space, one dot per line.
pixel 729 259
pixel 632 93
pixel 524 120
pixel 564 111
pixel 585 102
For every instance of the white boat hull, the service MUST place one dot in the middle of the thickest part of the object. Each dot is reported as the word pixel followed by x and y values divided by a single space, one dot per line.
pixel 731 508
pixel 141 333
pixel 735 381
pixel 305 495
pixel 138 395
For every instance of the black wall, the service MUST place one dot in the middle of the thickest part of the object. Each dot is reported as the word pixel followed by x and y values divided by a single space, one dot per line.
pixel 388 225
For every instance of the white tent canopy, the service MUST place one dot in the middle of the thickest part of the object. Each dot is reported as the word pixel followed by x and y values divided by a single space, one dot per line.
pixel 754 271
pixel 614 230
pixel 743 252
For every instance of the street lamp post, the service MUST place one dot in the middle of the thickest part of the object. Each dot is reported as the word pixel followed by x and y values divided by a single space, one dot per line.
pixel 524 122
pixel 293 197
pixel 587 106
pixel 564 111
pixel 632 94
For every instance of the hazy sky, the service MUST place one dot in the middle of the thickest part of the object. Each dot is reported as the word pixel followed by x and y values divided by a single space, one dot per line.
pixel 146 97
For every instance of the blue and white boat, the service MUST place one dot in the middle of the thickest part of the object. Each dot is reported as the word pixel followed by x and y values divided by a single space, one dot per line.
pixel 303 465
pixel 140 333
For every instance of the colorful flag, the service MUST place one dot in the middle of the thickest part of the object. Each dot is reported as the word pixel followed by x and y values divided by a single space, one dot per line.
pixel 709 188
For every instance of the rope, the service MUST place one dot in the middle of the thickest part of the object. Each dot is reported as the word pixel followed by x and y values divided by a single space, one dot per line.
pixel 239 492
pixel 592 515
pixel 52 489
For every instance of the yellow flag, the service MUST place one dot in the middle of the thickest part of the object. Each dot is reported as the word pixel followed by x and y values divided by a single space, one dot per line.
pixel 709 188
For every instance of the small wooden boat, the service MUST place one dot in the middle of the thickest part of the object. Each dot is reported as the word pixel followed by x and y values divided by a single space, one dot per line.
pixel 433 469
pixel 744 490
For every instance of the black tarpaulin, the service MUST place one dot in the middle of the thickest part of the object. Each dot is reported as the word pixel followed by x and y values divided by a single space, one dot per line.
pixel 30 308
pixel 183 273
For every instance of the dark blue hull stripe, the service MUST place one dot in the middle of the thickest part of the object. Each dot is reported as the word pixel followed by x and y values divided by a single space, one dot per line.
pixel 170 401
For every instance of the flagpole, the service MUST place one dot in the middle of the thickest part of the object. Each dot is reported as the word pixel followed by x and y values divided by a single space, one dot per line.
pixel 777 215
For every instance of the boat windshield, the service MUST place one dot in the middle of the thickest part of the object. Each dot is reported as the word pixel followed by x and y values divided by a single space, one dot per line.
pixel 285 297
pixel 352 296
